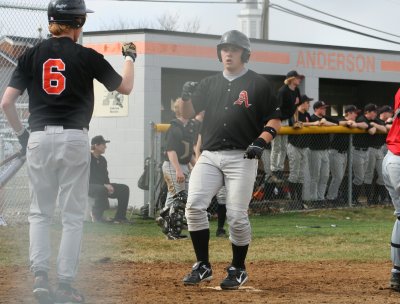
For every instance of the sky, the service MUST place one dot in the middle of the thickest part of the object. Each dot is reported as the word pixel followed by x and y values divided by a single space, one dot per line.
pixel 219 18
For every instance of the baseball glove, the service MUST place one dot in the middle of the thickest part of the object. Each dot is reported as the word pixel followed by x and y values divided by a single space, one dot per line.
pixel 129 49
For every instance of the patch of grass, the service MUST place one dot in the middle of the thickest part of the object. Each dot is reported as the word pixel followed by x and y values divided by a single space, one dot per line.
pixel 348 234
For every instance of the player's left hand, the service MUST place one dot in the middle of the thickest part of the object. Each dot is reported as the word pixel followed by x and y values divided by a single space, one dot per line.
pixel 129 49
pixel 256 149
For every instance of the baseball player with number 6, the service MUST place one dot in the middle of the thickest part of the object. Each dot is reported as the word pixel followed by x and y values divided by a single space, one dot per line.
pixel 58 74
pixel 242 115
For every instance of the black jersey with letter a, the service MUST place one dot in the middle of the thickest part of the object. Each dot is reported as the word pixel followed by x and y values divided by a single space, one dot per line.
pixel 236 111
pixel 58 74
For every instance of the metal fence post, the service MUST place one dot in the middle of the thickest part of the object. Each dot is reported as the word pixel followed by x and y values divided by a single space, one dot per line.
pixel 152 162
pixel 350 171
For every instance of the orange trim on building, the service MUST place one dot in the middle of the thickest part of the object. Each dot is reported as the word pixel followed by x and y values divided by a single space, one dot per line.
pixel 184 50
pixel 390 66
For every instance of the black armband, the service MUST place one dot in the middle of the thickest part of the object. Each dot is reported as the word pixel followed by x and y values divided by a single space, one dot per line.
pixel 271 131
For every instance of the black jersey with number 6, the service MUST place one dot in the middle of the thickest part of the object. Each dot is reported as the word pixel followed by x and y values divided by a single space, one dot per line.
pixel 58 74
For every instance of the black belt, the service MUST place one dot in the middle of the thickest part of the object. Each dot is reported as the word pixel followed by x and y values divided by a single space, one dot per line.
pixel 360 149
pixel 43 128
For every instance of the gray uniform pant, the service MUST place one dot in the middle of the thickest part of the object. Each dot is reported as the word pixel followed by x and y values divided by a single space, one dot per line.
pixel 221 196
pixel 360 164
pixel 375 159
pixel 319 170
pixel 337 165
pixel 278 150
pixel 298 163
pixel 266 160
pixel 170 179
pixel 391 177
pixel 58 164
pixel 212 170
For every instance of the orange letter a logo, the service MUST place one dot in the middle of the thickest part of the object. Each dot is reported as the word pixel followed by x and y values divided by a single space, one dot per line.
pixel 243 98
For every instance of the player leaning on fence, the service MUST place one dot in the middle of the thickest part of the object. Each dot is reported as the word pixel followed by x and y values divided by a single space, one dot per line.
pixel 241 116
pixel 338 149
pixel 58 74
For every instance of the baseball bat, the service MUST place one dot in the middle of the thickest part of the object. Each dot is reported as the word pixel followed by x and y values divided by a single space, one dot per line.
pixel 11 170
pixel 10 158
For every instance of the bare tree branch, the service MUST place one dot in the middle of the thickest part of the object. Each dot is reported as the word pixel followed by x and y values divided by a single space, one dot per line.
pixel 168 22
pixel 192 26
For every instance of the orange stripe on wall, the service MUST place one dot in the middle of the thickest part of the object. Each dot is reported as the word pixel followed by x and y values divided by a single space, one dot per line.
pixel 390 66
pixel 184 50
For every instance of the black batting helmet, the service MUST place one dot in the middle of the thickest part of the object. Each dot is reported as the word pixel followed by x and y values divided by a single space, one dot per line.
pixel 238 39
pixel 69 12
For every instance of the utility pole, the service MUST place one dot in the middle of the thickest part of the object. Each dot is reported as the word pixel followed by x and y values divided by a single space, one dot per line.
pixel 265 20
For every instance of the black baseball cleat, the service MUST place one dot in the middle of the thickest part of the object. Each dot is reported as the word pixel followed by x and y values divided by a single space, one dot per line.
pixel 41 290
pixel 221 233
pixel 395 281
pixel 171 236
pixel 201 272
pixel 236 277
pixel 68 295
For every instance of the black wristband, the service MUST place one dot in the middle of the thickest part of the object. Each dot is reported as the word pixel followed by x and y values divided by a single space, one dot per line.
pixel 271 131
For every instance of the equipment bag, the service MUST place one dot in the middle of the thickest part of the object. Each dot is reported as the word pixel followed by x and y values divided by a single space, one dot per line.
pixel 143 182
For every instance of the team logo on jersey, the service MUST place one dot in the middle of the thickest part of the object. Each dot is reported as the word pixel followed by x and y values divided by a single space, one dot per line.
pixel 243 98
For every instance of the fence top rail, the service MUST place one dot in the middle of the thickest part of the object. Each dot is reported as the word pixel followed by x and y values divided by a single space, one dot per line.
pixel 162 128
pixel 24 7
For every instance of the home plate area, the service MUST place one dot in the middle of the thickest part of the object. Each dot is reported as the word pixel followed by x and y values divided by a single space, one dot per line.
pixel 242 288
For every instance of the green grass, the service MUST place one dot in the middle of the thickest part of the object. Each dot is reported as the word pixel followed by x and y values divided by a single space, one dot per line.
pixel 353 235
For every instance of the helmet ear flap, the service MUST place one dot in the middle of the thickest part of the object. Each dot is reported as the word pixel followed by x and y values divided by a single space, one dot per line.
pixel 219 53
pixel 245 56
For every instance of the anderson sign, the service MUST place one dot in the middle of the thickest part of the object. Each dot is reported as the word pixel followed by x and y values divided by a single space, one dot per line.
pixel 336 61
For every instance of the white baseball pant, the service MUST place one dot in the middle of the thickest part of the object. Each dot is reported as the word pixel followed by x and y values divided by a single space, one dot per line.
pixel 212 170
pixel 58 164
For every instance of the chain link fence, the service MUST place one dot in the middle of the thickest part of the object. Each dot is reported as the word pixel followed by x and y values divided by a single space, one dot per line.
pixel 23 24
pixel 315 172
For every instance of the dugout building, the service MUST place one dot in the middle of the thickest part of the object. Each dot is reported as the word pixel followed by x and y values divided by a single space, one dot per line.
pixel 337 75
pixel 166 60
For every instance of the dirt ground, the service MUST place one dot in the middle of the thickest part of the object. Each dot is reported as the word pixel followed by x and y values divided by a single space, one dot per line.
pixel 269 282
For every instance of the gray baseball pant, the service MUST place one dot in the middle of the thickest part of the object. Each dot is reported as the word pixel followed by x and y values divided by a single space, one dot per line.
pixel 391 177
pixel 221 196
pixel 360 164
pixel 375 159
pixel 212 170
pixel 278 150
pixel 337 165
pixel 319 170
pixel 58 163
pixel 170 179
pixel 298 163
pixel 266 160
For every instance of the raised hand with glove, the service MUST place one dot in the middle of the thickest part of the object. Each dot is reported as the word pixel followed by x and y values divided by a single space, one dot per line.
pixel 129 50
pixel 188 89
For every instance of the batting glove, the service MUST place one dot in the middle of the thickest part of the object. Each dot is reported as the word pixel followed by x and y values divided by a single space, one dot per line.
pixel 188 89
pixel 256 149
pixel 129 49
pixel 23 140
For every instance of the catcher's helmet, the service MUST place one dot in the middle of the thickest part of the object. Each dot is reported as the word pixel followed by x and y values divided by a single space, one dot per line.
pixel 238 39
pixel 69 12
